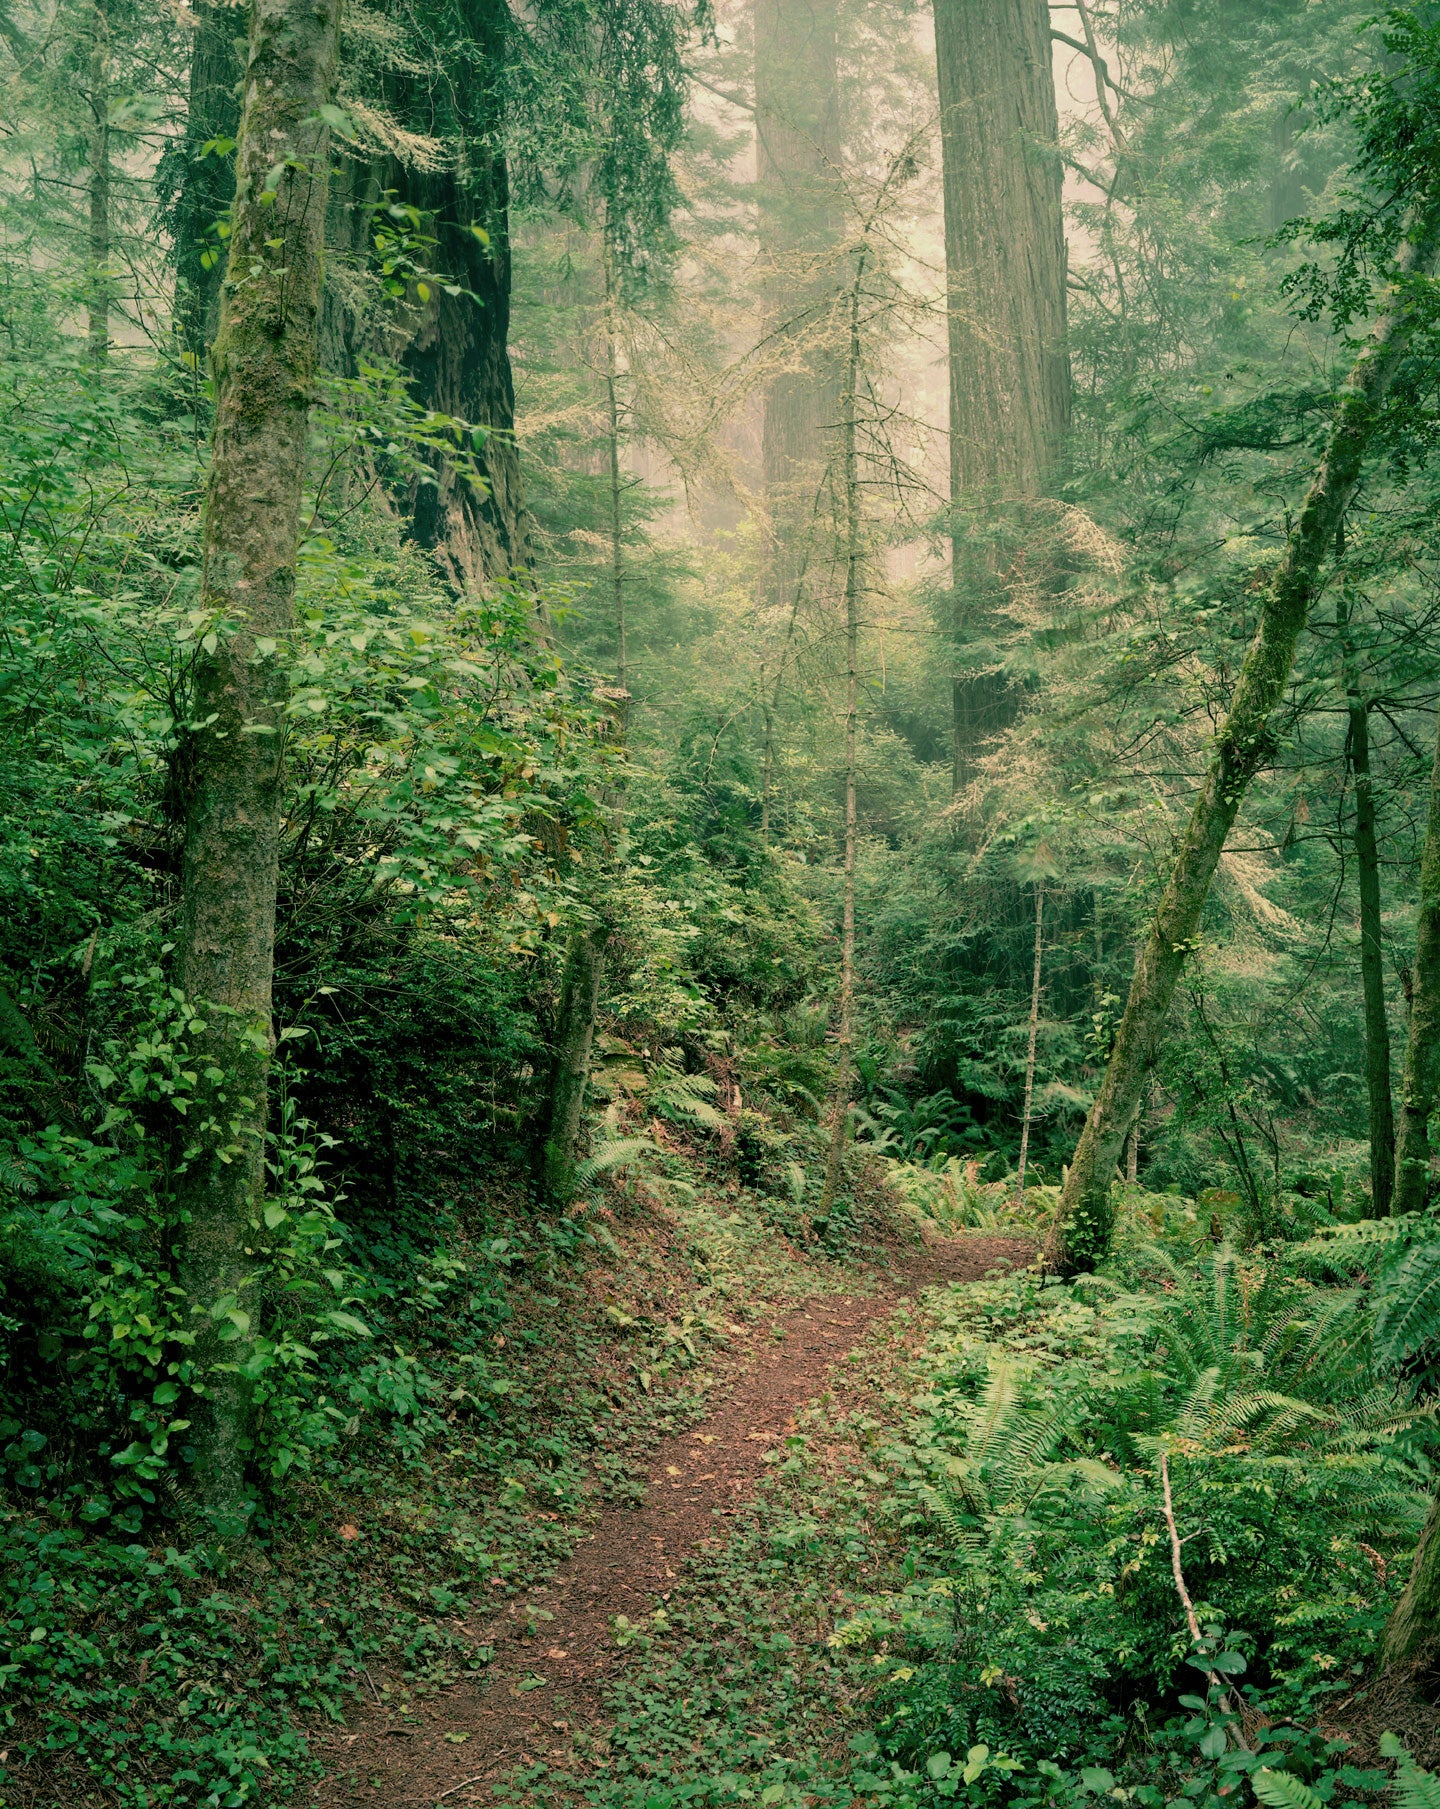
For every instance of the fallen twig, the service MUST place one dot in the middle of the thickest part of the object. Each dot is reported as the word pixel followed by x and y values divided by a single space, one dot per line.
pixel 1221 1687
pixel 479 1778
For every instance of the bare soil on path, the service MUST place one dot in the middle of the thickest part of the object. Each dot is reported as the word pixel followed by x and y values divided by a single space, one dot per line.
pixel 451 1748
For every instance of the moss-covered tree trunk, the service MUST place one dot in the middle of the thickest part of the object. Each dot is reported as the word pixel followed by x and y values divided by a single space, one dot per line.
pixel 1005 266
pixel 575 1015
pixel 1372 954
pixel 1082 1230
pixel 1412 1637
pixel 1420 1081
pixel 264 362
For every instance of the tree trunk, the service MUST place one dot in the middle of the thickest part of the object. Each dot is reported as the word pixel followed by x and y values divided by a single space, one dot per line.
pixel 1034 1038
pixel 264 362
pixel 850 503
pixel 617 524
pixel 1412 1638
pixel 100 278
pixel 1372 958
pixel 1005 264
pixel 207 182
pixel 570 1074
pixel 458 361
pixel 1420 1083
pixel 1412 1635
pixel 768 759
pixel 1081 1233
pixel 458 357
pixel 797 134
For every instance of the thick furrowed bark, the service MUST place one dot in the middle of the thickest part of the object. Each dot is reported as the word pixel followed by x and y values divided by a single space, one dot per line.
pixel 264 362
pixel 1420 1084
pixel 207 183
pixel 1082 1230
pixel 1005 266
pixel 574 1033
pixel 459 364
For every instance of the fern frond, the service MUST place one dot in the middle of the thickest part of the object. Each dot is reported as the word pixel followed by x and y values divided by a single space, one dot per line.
pixel 993 1409
pixel 617 1152
pixel 1098 1479
pixel 1281 1790
pixel 1337 1241
pixel 1415 1788
pixel 1407 1316
pixel 16 1177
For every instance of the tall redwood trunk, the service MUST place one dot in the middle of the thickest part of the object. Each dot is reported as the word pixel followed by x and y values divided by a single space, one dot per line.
pixel 797 146
pixel 458 355
pixel 206 179
pixel 264 365
pixel 1081 1234
pixel 458 360
pixel 1005 265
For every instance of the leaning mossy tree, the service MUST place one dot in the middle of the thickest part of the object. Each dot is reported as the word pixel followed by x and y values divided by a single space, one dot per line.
pixel 1395 225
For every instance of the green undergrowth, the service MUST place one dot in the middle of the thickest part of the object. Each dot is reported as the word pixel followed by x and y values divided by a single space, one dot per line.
pixel 520 1369
pixel 957 1583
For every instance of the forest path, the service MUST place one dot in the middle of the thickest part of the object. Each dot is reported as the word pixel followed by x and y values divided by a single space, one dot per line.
pixel 452 1748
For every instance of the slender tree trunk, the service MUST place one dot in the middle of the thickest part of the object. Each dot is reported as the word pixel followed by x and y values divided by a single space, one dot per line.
pixel 1034 1038
pixel 206 181
pixel 570 1074
pixel 617 536
pixel 797 131
pixel 100 278
pixel 1005 264
pixel 850 502
pixel 1082 1231
pixel 1132 1153
pixel 1420 1082
pixel 1372 957
pixel 584 971
pixel 264 362
pixel 768 763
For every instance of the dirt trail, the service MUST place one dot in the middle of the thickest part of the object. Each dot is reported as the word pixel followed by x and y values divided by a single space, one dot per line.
pixel 697 1479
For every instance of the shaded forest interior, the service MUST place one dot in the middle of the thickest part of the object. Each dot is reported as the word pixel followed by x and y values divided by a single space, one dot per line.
pixel 719 713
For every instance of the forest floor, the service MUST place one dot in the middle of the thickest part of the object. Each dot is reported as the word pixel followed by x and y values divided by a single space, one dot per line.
pixel 559 1650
